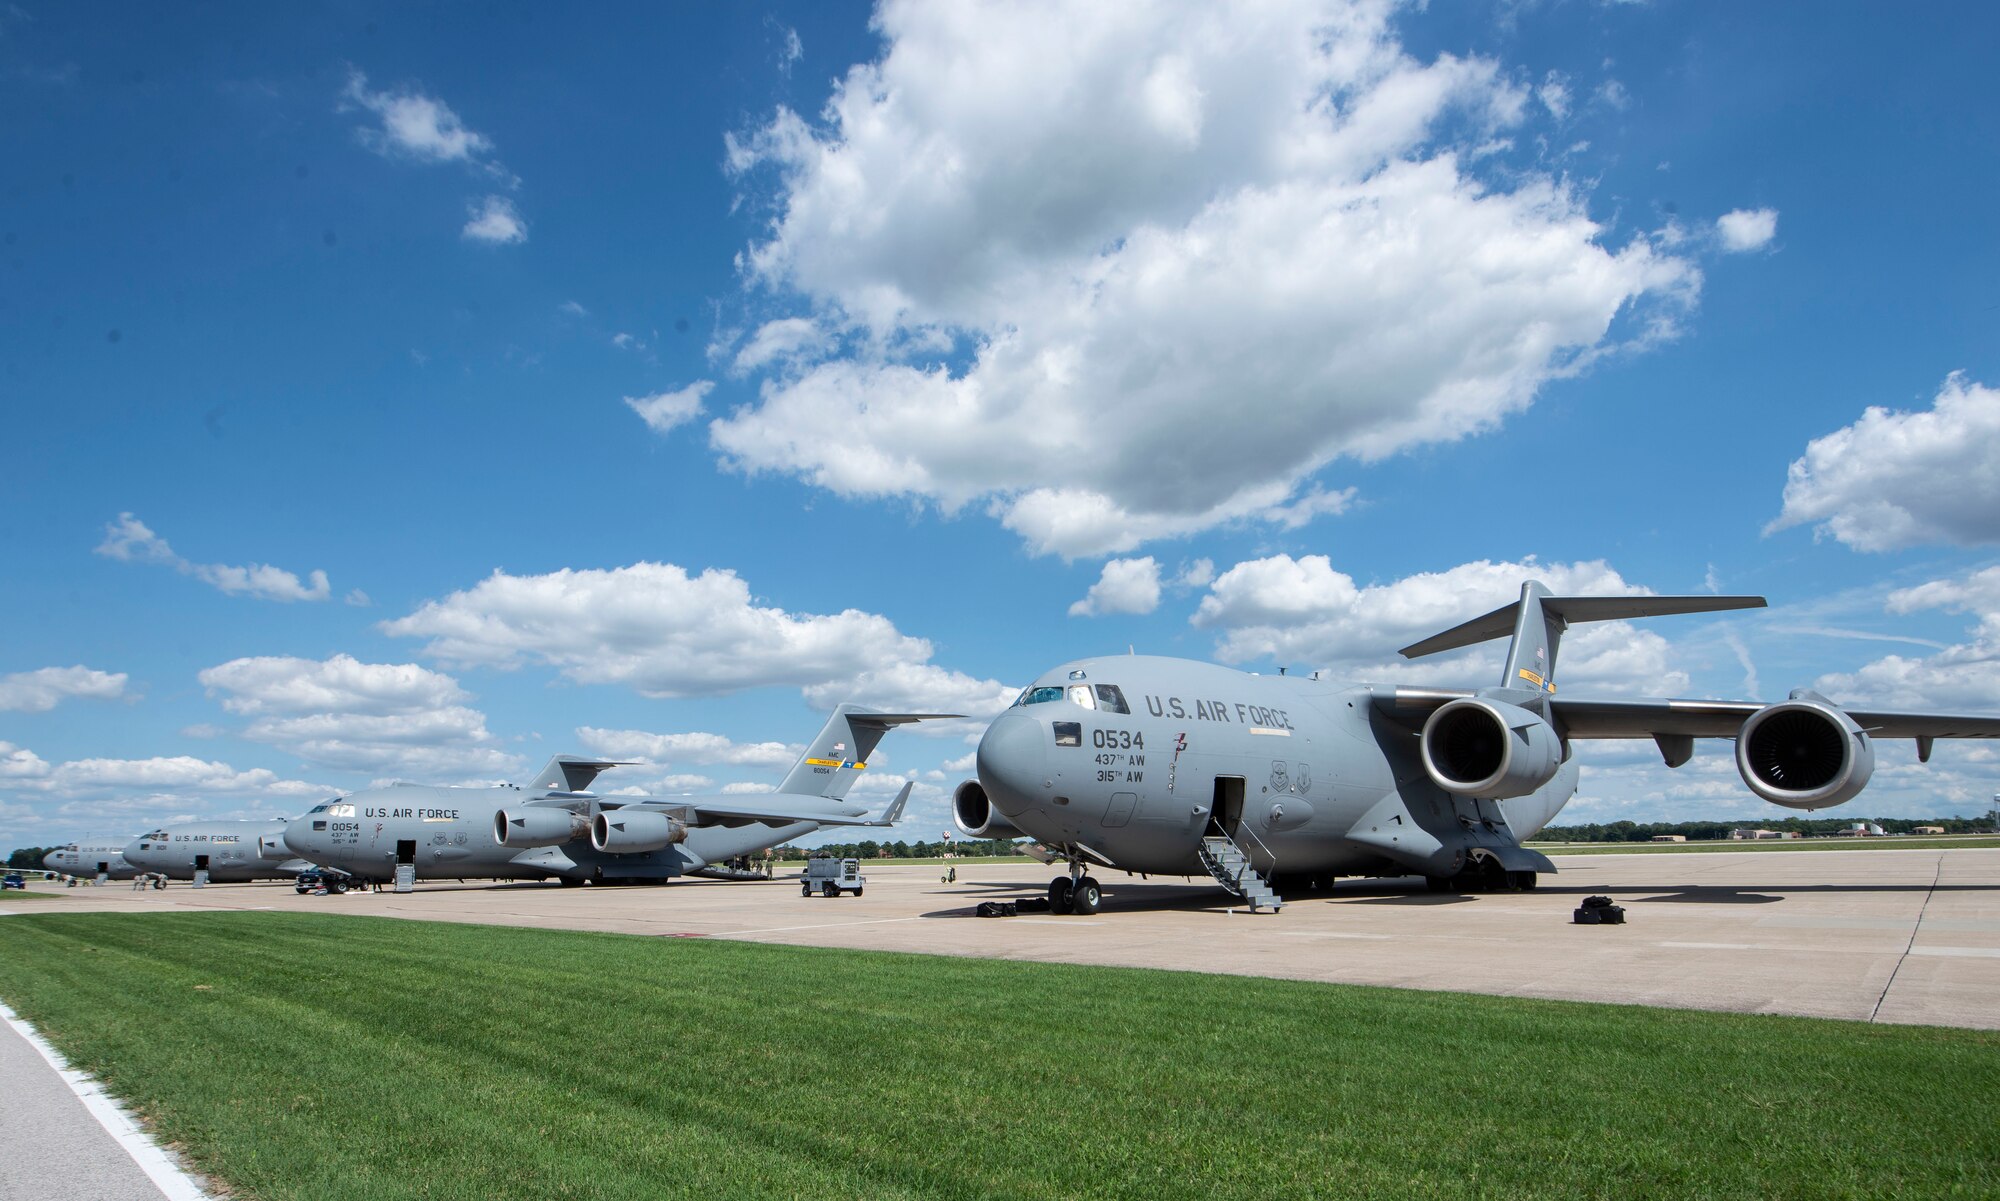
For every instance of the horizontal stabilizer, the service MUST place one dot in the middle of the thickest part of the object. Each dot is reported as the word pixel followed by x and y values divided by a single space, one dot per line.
pixel 1573 609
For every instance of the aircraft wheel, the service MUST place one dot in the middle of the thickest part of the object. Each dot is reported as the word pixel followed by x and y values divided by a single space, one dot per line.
pixel 1059 895
pixel 1521 881
pixel 1085 898
pixel 1437 883
pixel 569 881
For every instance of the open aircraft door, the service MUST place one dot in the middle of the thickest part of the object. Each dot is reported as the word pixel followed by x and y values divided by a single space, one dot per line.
pixel 406 864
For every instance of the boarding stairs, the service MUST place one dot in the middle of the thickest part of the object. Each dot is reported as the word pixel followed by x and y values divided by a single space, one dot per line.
pixel 1231 869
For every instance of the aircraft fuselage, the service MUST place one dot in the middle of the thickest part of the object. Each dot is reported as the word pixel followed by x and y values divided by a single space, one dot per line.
pixel 447 834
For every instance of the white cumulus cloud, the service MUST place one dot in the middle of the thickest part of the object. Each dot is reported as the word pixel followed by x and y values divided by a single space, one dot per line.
pixel 342 713
pixel 1961 678
pixel 43 689
pixel 1206 251
pixel 422 127
pixel 662 411
pixel 130 541
pixel 666 633
pixel 693 747
pixel 1125 586
pixel 1896 479
pixel 495 220
pixel 1747 229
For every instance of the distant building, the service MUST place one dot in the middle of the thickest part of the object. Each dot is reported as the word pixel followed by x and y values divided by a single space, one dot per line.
pixel 1863 830
pixel 1760 835
pixel 1928 830
pixel 1670 838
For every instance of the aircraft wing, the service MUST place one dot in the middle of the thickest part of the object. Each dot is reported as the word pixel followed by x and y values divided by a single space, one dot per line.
pixel 1722 719
pixel 1581 718
pixel 772 807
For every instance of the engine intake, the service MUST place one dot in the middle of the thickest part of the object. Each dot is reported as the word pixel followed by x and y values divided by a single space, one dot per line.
pixel 1485 748
pixel 974 815
pixel 538 826
pixel 634 831
pixel 1804 753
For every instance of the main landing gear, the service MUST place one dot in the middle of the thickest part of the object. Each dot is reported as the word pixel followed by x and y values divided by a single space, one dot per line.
pixel 1482 875
pixel 1075 893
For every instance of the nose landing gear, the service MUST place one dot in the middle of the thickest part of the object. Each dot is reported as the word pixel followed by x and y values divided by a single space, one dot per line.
pixel 1075 893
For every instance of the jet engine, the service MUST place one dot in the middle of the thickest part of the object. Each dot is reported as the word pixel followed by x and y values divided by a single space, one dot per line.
pixel 633 831
pixel 973 814
pixel 1478 747
pixel 538 826
pixel 1804 754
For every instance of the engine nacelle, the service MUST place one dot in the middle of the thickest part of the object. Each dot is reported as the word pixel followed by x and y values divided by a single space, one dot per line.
pixel 1477 747
pixel 634 831
pixel 1804 754
pixel 975 816
pixel 538 826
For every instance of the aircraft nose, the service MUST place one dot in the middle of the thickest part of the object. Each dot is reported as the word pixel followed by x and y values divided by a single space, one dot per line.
pixel 1010 762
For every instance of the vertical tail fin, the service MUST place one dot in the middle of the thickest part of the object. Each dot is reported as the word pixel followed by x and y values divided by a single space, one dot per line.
pixel 839 753
pixel 1538 631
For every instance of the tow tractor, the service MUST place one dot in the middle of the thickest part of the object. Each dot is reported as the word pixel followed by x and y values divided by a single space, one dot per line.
pixel 324 880
pixel 830 877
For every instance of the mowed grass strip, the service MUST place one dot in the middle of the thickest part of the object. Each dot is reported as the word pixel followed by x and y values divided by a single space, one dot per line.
pixel 301 1056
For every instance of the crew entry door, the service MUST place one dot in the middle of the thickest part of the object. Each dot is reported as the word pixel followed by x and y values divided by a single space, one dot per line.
pixel 1225 812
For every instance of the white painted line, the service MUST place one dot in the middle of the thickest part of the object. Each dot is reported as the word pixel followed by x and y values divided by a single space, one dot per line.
pixel 176 1184
pixel 1959 952
pixel 1715 946
pixel 880 921
pixel 1316 934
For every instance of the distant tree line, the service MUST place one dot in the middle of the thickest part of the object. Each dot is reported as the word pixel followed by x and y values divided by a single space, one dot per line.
pixel 29 856
pixel 899 849
pixel 1808 827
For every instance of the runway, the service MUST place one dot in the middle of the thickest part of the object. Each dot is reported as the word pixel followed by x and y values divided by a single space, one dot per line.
pixel 1903 936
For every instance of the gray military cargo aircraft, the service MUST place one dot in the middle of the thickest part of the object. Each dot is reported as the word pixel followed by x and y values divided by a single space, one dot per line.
pixel 92 857
pixel 1172 767
pixel 230 852
pixel 555 828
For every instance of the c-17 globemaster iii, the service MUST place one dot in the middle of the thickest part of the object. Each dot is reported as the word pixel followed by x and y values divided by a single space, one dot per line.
pixel 555 828
pixel 92 857
pixel 1172 767
pixel 231 852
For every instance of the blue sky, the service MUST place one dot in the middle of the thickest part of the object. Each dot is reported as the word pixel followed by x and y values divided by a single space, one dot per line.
pixel 413 394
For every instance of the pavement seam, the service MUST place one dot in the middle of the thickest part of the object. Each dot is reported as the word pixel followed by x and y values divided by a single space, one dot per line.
pixel 1915 928
pixel 152 1159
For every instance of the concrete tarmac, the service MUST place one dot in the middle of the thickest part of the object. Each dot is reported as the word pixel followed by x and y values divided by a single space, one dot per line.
pixel 1904 936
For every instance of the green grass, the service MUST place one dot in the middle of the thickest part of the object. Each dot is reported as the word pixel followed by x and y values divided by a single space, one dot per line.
pixel 303 1056
pixel 30 893
pixel 1953 843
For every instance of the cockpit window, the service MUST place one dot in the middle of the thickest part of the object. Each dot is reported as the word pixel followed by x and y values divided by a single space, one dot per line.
pixel 1111 698
pixel 1079 694
pixel 1036 696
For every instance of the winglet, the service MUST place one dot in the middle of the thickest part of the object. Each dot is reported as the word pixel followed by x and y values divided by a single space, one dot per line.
pixel 894 813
